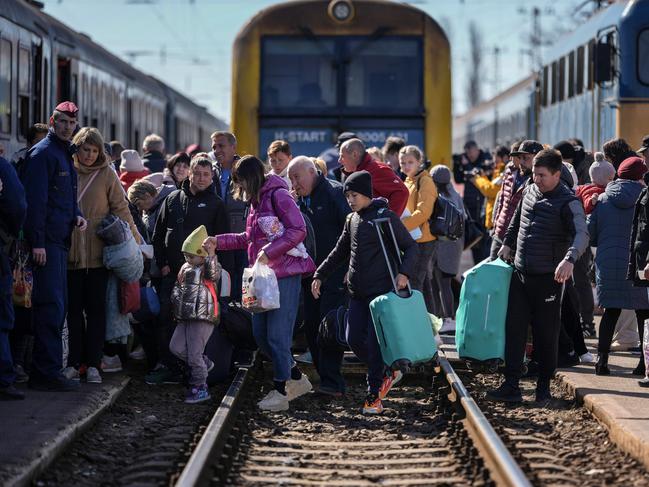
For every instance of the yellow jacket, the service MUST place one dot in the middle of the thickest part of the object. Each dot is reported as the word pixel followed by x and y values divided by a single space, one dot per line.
pixel 421 202
pixel 489 190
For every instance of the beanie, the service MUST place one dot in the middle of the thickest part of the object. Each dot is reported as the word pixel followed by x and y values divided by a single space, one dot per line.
pixel 632 168
pixel 194 243
pixel 601 171
pixel 359 182
pixel 131 161
pixel 441 174
pixel 566 148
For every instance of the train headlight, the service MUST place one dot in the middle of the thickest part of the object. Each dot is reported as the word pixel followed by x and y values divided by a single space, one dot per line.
pixel 341 10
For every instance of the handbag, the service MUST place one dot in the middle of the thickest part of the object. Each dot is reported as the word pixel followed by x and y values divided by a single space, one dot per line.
pixel 236 325
pixel 129 297
pixel 149 305
pixel 331 332
pixel 23 279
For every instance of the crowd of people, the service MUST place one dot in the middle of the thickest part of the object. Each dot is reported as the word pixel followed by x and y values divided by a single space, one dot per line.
pixel 85 221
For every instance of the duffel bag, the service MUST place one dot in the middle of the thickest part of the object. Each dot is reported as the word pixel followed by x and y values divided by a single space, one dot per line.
pixel 129 297
pixel 331 332
pixel 149 305
pixel 236 325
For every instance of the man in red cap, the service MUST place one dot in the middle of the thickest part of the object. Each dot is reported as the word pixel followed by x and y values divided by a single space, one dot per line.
pixel 50 182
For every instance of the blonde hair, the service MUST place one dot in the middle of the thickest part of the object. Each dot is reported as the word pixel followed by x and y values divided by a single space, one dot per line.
pixel 375 153
pixel 412 150
pixel 139 189
pixel 321 165
pixel 91 136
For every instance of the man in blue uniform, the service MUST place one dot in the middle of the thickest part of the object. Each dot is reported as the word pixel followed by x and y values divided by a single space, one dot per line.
pixel 50 184
pixel 12 214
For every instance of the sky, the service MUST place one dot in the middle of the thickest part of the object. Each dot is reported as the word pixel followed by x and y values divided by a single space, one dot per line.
pixel 188 43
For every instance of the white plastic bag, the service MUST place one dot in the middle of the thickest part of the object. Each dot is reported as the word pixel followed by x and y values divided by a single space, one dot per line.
pixel 259 289
pixel 415 233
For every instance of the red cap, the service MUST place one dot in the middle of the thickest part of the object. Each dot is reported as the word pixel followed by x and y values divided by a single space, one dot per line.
pixel 632 168
pixel 68 108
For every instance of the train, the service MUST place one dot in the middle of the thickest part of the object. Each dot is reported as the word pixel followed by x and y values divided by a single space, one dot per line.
pixel 593 85
pixel 43 62
pixel 307 70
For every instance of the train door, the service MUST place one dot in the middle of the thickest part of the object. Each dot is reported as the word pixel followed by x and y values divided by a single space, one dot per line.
pixel 38 86
pixel 25 69
pixel 63 79
pixel 605 76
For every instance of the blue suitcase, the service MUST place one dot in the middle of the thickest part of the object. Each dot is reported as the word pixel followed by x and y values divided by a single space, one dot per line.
pixel 401 320
pixel 480 320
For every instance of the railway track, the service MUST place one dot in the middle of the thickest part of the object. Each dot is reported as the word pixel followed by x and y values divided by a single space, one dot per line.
pixel 436 435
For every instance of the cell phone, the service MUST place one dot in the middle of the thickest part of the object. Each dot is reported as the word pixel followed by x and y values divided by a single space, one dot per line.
pixel 641 275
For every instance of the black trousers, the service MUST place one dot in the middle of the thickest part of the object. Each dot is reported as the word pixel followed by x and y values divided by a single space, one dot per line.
pixel 423 274
pixel 607 327
pixel 533 300
pixel 572 335
pixel 582 278
pixel 86 316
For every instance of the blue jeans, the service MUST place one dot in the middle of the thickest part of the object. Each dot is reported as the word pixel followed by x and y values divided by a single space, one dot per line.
pixel 273 329
pixel 361 338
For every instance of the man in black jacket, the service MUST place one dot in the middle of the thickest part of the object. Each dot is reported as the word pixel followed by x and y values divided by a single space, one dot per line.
pixel 184 210
pixel 153 149
pixel 323 201
pixel 549 234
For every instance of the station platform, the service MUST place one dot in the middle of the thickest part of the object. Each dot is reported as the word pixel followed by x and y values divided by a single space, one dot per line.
pixel 34 431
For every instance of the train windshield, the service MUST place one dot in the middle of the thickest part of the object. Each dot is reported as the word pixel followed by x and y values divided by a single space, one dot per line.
pixel 298 73
pixel 359 74
pixel 643 57
pixel 385 73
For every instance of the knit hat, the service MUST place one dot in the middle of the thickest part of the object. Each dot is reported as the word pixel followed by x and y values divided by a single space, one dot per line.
pixel 131 161
pixel 566 148
pixel 441 174
pixel 601 171
pixel 632 168
pixel 359 182
pixel 194 243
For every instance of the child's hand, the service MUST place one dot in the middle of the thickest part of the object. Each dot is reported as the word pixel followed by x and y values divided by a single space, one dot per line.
pixel 402 282
pixel 594 199
pixel 315 288
pixel 209 244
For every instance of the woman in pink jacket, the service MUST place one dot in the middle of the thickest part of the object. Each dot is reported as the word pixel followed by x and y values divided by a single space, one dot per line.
pixel 273 208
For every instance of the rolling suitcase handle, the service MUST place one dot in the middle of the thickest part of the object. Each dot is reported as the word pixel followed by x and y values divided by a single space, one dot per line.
pixel 377 224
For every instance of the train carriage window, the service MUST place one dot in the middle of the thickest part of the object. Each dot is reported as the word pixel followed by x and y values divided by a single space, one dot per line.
pixel 591 64
pixel 571 74
pixel 24 72
pixel 579 71
pixel 5 86
pixel 384 73
pixel 298 73
pixel 562 79
pixel 545 86
pixel 555 81
pixel 643 56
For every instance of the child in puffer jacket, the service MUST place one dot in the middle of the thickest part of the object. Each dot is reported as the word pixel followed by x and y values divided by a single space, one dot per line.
pixel 195 306
pixel 601 173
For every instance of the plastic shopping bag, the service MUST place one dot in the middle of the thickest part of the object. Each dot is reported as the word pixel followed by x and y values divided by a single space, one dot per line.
pixel 259 289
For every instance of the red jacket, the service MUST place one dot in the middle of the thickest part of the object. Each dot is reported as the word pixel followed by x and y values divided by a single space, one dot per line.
pixel 386 184
pixel 127 178
pixel 585 192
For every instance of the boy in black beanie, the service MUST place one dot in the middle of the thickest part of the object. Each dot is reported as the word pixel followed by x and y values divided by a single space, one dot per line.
pixel 368 277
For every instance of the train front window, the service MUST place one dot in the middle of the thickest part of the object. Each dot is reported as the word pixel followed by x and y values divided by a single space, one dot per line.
pixel 384 73
pixel 298 73
pixel 643 57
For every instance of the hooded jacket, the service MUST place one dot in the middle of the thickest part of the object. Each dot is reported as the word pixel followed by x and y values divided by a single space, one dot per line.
pixel 274 200
pixel 368 274
pixel 180 214
pixel 50 183
pixel 154 161
pixel 103 197
pixel 191 299
pixel 421 201
pixel 510 195
pixel 609 226
pixel 546 229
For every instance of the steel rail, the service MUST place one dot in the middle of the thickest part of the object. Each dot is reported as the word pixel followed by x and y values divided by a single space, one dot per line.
pixel 503 468
pixel 198 470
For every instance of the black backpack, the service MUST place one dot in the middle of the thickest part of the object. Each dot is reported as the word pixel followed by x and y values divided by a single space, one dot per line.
pixel 236 325
pixel 447 220
pixel 331 333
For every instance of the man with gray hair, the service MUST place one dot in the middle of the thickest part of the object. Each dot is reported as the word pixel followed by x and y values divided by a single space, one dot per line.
pixel 385 183
pixel 323 201
pixel 153 150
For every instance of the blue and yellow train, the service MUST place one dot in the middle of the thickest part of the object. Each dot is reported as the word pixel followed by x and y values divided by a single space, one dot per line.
pixel 594 86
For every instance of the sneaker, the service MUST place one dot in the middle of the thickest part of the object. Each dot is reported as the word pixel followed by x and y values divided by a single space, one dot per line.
pixel 21 375
pixel 208 363
pixel 274 401
pixel 305 358
pixel 589 330
pixel 197 394
pixel 622 347
pixel 569 360
pixel 71 373
pixel 373 404
pixel 328 391
pixel 137 354
pixel 389 381
pixel 448 327
pixel 543 394
pixel 59 384
pixel 505 393
pixel 587 358
pixel 297 388
pixel 163 375
pixel 93 376
pixel 111 364
pixel 644 382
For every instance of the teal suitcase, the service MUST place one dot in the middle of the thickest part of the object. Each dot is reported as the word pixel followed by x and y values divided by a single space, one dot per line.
pixel 401 320
pixel 480 319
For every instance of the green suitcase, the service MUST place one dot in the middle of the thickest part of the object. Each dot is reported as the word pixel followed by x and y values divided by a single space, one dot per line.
pixel 480 319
